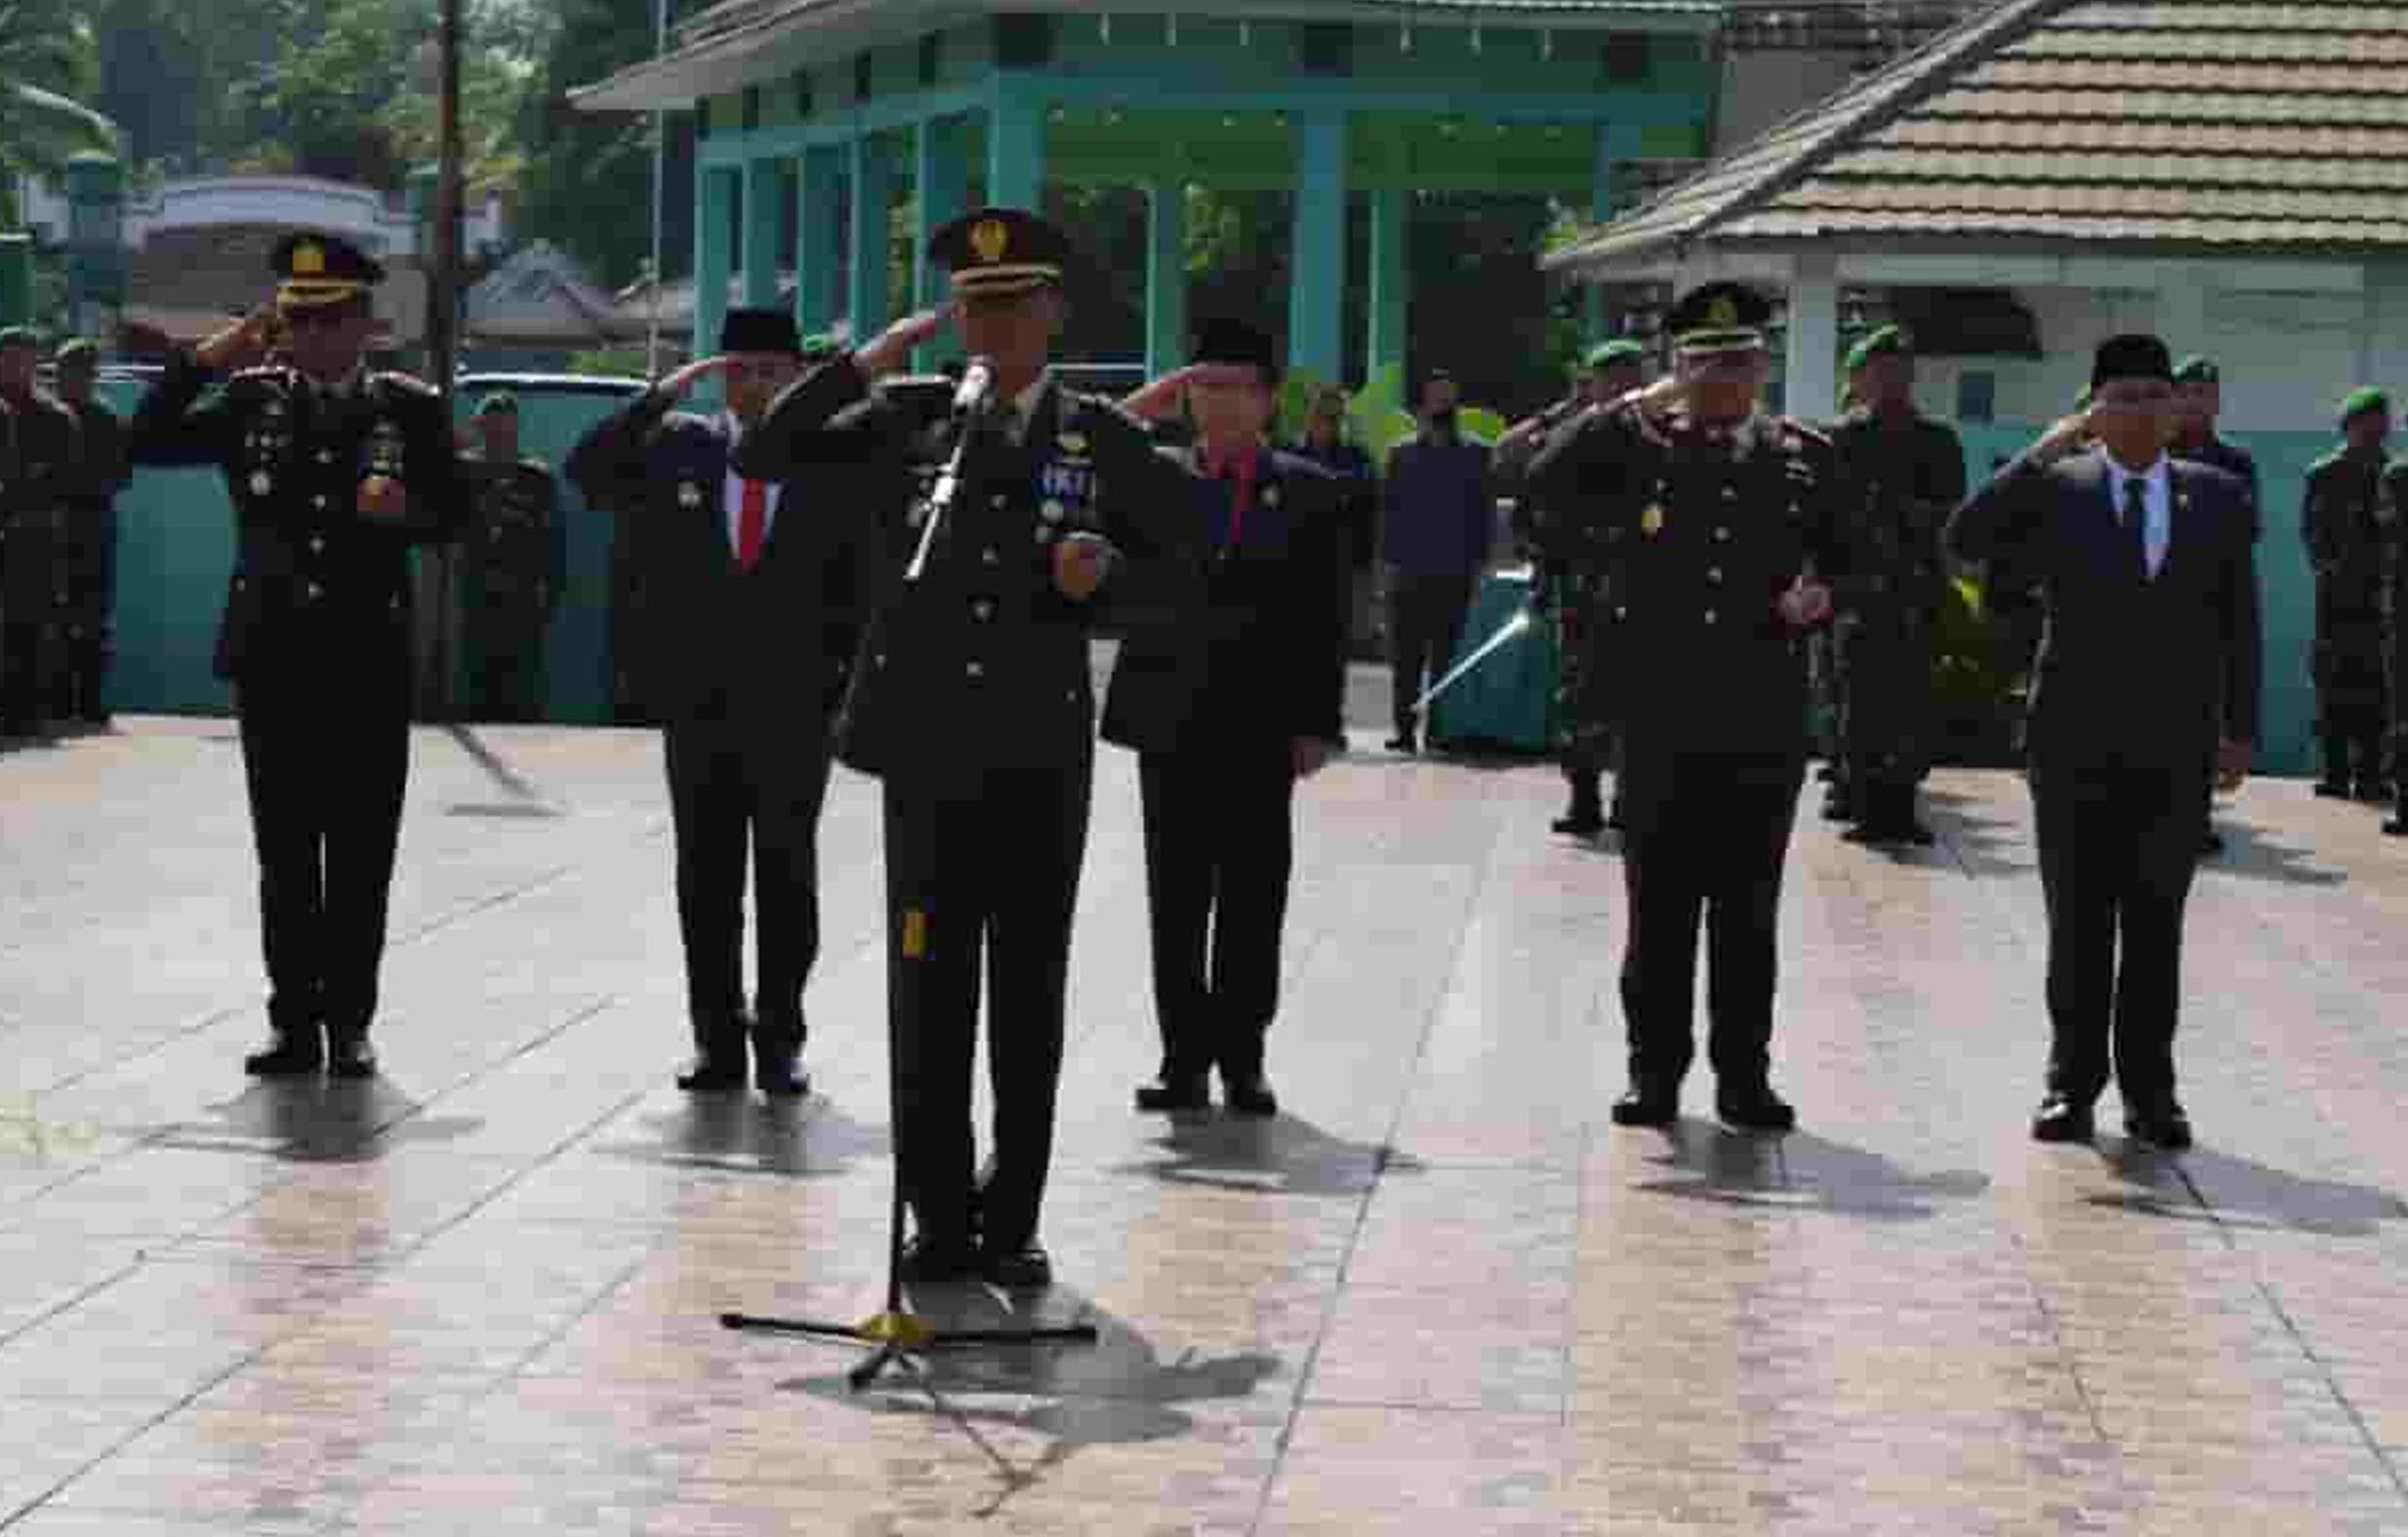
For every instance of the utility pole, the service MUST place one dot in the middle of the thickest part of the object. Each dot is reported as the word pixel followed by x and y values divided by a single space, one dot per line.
pixel 443 339
pixel 660 174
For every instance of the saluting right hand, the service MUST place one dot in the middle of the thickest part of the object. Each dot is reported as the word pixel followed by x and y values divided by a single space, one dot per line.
pixel 682 382
pixel 239 345
pixel 2068 437
pixel 892 348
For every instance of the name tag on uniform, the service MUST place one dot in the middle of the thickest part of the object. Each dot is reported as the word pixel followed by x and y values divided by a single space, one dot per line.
pixel 1066 492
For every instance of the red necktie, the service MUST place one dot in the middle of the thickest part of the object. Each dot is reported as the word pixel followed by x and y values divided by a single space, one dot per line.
pixel 752 524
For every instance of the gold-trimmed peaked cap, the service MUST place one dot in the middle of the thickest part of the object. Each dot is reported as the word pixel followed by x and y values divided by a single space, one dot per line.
pixel 1718 317
pixel 313 268
pixel 1000 250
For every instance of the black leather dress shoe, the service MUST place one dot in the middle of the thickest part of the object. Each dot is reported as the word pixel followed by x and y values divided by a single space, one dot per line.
pixel 777 1072
pixel 297 1053
pixel 2333 789
pixel 2374 793
pixel 712 1075
pixel 1401 742
pixel 1648 1105
pixel 2397 825
pixel 348 1054
pixel 1754 1106
pixel 934 1261
pixel 1838 805
pixel 1179 1095
pixel 2060 1118
pixel 2211 844
pixel 2158 1125
pixel 1249 1096
pixel 1584 822
pixel 1027 1268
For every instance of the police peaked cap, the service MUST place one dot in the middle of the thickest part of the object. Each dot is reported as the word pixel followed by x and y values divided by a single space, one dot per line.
pixel 1000 250
pixel 1720 317
pixel 314 269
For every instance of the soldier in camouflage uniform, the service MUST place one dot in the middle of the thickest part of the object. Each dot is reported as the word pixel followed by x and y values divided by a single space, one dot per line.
pixel 2337 520
pixel 39 444
pixel 90 549
pixel 1575 560
pixel 512 582
pixel 2199 397
pixel 1905 473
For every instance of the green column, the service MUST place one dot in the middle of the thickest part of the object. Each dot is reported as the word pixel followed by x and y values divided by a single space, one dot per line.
pixel 764 192
pixel 942 171
pixel 1317 289
pixel 1014 149
pixel 1166 275
pixel 866 295
pixel 1387 345
pixel 714 235
pixel 818 239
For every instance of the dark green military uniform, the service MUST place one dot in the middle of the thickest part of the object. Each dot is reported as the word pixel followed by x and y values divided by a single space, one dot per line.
pixel 2338 522
pixel 510 587
pixel 1903 479
pixel 1719 521
pixel 88 551
pixel 2391 518
pixel 974 703
pixel 39 445
pixel 316 640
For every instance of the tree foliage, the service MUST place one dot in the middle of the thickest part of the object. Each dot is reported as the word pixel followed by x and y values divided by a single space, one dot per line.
pixel 47 68
pixel 586 185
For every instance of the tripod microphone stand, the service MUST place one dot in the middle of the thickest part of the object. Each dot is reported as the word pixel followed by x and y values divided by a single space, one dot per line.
pixel 899 1336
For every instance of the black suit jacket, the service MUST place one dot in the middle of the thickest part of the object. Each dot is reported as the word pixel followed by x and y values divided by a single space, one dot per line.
pixel 1251 645
pixel 2140 672
pixel 777 642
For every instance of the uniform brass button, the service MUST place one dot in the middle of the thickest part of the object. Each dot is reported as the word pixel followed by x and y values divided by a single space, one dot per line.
pixel 984 610
pixel 1731 493
pixel 1722 534
pixel 989 556
pixel 976 669
pixel 325 456
pixel 1621 613
pixel 319 501
pixel 317 544
pixel 1714 573
pixel 1709 615
pixel 314 592
pixel 998 500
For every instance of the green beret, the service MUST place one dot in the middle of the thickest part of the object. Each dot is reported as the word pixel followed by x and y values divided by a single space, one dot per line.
pixel 2081 402
pixel 2197 370
pixel 500 403
pixel 20 336
pixel 2361 401
pixel 1610 354
pixel 83 349
pixel 1887 339
pixel 819 345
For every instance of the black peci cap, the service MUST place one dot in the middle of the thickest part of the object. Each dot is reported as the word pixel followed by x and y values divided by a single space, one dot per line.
pixel 1234 342
pixel 761 331
pixel 2132 355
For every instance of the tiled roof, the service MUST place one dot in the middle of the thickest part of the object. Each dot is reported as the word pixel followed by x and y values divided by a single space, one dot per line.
pixel 2208 124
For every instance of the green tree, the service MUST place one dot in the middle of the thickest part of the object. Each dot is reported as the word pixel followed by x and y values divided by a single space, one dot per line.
pixel 586 181
pixel 47 65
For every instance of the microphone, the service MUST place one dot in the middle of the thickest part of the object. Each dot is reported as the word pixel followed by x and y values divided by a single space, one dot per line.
pixel 977 390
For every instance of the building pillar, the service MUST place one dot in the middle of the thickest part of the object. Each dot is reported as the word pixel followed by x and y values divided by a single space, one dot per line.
pixel 1317 289
pixel 818 239
pixel 1390 306
pixel 2185 301
pixel 1166 275
pixel 1811 393
pixel 1015 152
pixel 714 240
pixel 867 296
pixel 941 171
pixel 1601 213
pixel 764 204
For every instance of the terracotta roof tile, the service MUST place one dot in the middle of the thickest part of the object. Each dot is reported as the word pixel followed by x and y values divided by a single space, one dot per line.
pixel 2197 121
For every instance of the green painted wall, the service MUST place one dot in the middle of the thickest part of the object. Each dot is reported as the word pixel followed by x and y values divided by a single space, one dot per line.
pixel 2286 589
pixel 175 550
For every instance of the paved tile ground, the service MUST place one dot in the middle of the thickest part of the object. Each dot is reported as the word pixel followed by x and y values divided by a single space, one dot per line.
pixel 1444 1295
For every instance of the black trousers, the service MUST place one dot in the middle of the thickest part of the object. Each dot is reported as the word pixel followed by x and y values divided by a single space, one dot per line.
pixel 1220 846
pixel 505 646
pixel 1708 836
pixel 2119 842
pixel 326 760
pixel 979 874
pixel 746 780
pixel 1424 623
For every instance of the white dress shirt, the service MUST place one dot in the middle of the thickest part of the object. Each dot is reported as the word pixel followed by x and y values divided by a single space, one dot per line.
pixel 2156 496
pixel 731 493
